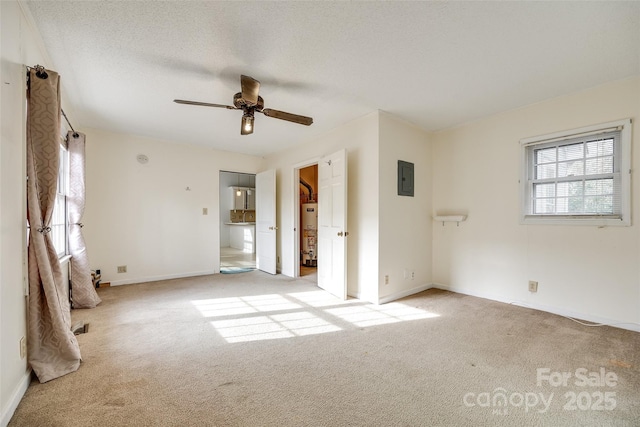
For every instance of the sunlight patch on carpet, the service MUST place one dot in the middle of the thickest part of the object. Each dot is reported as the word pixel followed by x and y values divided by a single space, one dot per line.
pixel 243 319
pixel 371 315
pixel 319 298
pixel 272 327
pixel 244 305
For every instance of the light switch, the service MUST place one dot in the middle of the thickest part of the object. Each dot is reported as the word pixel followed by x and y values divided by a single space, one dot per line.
pixel 205 211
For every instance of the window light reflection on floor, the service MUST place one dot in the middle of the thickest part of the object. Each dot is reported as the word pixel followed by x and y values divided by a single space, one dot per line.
pixel 246 319
pixel 272 327
pixel 319 299
pixel 244 305
pixel 371 315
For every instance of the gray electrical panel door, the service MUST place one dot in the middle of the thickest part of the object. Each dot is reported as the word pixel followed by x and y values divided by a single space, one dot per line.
pixel 405 178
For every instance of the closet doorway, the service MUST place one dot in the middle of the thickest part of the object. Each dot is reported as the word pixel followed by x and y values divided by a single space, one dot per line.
pixel 237 195
pixel 307 222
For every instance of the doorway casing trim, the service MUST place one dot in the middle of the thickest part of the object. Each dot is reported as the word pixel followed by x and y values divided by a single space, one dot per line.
pixel 295 209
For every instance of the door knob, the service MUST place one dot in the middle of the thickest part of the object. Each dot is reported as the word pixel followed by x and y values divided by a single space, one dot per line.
pixel 340 234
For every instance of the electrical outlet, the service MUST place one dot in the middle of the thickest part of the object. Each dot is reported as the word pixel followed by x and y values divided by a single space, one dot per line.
pixel 413 275
pixel 386 279
pixel 122 269
pixel 533 286
pixel 278 259
pixel 23 348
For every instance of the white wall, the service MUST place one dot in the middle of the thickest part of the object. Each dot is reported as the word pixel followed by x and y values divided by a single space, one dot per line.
pixel 143 216
pixel 360 138
pixel 405 222
pixel 590 272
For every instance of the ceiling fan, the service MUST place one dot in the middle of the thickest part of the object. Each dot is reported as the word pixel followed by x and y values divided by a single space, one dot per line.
pixel 249 102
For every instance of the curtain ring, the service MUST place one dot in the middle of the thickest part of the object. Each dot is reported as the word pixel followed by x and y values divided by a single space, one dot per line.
pixel 44 230
pixel 41 72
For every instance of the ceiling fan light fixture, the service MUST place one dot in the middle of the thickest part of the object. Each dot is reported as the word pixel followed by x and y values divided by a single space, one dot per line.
pixel 247 124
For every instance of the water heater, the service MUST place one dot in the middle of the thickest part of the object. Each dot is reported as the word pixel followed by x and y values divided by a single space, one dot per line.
pixel 309 225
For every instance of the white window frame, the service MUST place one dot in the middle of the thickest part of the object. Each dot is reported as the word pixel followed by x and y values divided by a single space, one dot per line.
pixel 622 156
pixel 61 231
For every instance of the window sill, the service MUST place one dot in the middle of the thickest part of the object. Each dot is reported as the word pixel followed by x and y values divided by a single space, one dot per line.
pixel 64 258
pixel 595 221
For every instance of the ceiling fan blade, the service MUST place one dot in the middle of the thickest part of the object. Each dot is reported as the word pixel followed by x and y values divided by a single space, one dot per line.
pixel 203 104
pixel 303 120
pixel 250 88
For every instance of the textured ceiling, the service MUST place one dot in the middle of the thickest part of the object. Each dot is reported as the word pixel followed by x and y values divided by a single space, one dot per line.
pixel 435 64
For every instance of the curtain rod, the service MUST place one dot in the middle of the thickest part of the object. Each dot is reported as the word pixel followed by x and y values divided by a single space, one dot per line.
pixel 75 134
pixel 42 73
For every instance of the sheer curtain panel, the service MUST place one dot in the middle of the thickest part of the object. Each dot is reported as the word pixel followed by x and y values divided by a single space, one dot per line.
pixel 83 293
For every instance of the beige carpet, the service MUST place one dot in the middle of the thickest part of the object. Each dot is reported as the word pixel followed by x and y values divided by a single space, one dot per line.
pixel 258 350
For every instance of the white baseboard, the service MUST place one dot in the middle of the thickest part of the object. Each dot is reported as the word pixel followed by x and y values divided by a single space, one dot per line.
pixel 541 307
pixel 157 278
pixel 15 399
pixel 397 295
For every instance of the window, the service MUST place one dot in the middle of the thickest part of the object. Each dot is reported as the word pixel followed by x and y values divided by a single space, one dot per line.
pixel 580 176
pixel 59 220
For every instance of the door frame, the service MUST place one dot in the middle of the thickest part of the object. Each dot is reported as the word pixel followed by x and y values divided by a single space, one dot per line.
pixel 296 210
pixel 220 196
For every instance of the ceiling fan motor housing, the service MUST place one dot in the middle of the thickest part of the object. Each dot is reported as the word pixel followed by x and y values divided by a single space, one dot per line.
pixel 241 103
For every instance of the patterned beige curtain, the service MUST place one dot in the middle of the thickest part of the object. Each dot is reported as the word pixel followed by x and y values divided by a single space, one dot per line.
pixel 83 293
pixel 53 349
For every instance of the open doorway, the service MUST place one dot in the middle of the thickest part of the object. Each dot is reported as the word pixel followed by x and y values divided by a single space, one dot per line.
pixel 307 216
pixel 237 195
pixel 331 232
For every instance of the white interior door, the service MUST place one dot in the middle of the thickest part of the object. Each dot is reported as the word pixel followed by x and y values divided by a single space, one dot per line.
pixel 266 221
pixel 332 224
